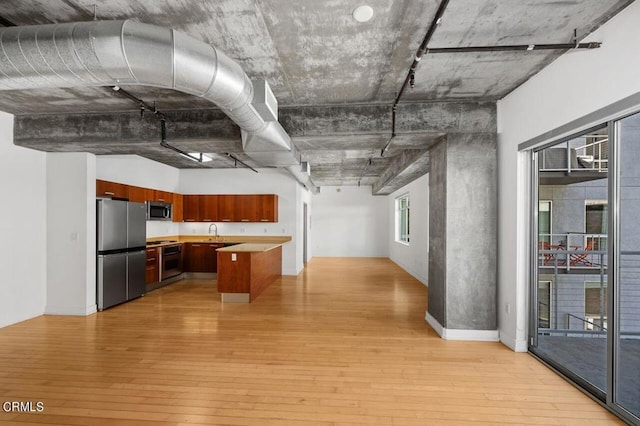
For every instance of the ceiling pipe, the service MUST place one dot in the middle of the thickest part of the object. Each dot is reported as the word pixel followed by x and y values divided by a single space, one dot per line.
pixel 437 18
pixel 120 53
pixel 515 47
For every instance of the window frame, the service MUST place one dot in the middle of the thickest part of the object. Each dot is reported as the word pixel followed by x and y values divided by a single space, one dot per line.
pixel 402 216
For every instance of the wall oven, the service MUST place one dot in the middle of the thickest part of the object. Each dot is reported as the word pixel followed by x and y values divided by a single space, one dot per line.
pixel 171 261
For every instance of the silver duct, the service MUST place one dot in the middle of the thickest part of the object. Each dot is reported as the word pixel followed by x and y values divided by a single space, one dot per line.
pixel 110 53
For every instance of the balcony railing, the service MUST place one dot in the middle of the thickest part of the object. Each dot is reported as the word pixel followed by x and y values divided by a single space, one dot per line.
pixel 572 250
pixel 587 153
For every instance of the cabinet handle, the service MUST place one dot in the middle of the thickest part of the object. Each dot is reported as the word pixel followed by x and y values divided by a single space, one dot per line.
pixel 226 220
pixel 151 259
pixel 195 245
pixel 244 220
pixel 160 199
pixel 208 220
pixel 264 220
pixel 189 220
pixel 109 193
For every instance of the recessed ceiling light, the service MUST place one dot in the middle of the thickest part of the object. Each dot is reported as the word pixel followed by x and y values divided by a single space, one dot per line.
pixel 363 13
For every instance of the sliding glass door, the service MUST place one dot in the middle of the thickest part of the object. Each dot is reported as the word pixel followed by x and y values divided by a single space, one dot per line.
pixel 571 271
pixel 585 275
pixel 626 339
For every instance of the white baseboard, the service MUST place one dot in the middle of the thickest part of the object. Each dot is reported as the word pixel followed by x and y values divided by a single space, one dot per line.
pixel 516 345
pixel 70 310
pixel 458 334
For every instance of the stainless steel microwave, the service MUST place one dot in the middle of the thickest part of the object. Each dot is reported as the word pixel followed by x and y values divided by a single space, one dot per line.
pixel 157 210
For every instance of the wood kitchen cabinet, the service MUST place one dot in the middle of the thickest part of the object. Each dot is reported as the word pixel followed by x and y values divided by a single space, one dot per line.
pixel 201 257
pixel 226 208
pixel 209 208
pixel 111 189
pixel 178 208
pixel 163 196
pixel 152 272
pixel 246 208
pixel 139 194
pixel 191 208
pixel 267 208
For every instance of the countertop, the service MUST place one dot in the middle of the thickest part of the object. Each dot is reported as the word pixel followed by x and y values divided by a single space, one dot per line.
pixel 251 247
pixel 210 239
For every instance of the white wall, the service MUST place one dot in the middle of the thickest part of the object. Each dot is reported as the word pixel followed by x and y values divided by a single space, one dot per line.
pixel 412 257
pixel 245 181
pixel 139 171
pixel 71 234
pixel 23 219
pixel 348 221
pixel 578 83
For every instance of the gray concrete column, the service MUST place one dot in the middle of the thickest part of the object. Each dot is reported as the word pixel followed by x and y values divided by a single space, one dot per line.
pixel 463 237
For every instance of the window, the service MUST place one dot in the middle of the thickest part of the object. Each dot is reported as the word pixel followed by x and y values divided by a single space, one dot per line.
pixel 402 219
pixel 544 221
pixel 544 304
pixel 595 224
pixel 595 305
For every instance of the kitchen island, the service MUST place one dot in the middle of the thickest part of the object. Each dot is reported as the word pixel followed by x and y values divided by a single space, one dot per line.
pixel 246 270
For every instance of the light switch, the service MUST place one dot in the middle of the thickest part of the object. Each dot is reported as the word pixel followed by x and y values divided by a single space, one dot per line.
pixel 234 257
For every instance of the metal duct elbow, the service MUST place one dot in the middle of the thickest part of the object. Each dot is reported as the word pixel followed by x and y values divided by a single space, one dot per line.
pixel 109 53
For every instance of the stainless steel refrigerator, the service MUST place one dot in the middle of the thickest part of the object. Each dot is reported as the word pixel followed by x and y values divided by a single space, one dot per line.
pixel 121 242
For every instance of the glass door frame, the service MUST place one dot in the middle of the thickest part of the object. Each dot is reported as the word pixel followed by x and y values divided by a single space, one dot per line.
pixel 535 153
pixel 532 149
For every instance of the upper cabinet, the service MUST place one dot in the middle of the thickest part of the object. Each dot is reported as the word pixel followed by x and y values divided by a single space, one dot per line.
pixel 162 196
pixel 111 189
pixel 200 208
pixel 138 194
pixel 227 208
pixel 267 208
pixel 191 208
pixel 246 208
pixel 178 208
pixel 209 207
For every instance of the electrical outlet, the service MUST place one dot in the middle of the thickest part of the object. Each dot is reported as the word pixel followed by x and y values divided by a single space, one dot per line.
pixel 265 230
pixel 507 308
pixel 242 230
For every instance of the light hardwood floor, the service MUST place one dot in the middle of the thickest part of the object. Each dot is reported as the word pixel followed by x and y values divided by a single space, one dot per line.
pixel 345 342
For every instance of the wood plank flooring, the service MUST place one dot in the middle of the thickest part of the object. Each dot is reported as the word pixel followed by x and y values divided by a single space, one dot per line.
pixel 345 342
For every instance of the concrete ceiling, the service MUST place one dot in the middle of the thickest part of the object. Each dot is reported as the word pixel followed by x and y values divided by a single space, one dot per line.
pixel 335 79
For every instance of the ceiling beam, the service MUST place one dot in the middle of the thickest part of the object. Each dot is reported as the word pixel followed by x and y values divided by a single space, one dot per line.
pixel 406 167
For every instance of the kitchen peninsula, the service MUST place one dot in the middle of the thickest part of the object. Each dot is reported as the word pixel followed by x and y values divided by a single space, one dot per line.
pixel 246 270
pixel 198 254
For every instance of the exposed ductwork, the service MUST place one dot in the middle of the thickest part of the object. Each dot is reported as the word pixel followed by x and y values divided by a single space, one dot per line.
pixel 110 53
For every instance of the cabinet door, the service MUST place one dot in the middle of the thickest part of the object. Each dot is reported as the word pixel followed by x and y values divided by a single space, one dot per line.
pixel 178 208
pixel 152 272
pixel 191 208
pixel 209 205
pixel 163 196
pixel 192 257
pixel 267 208
pixel 226 208
pixel 246 208
pixel 138 194
pixel 111 189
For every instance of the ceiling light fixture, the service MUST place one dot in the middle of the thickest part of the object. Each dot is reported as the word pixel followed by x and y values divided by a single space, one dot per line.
pixel 202 157
pixel 363 13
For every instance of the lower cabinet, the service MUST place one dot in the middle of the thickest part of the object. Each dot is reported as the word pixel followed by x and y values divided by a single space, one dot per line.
pixel 201 257
pixel 152 272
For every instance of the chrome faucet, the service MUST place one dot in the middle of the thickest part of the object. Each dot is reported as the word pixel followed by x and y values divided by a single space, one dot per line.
pixel 215 227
